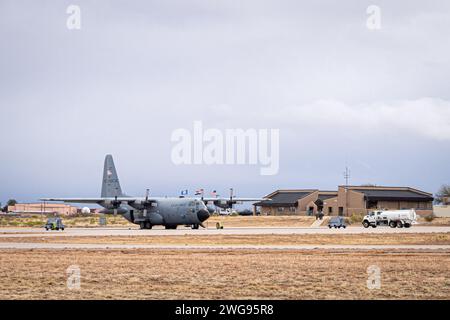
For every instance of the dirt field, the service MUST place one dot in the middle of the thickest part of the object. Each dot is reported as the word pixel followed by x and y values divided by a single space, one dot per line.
pixel 270 239
pixel 201 274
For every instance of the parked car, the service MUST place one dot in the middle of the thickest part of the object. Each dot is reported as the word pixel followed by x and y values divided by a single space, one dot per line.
pixel 54 224
pixel 337 222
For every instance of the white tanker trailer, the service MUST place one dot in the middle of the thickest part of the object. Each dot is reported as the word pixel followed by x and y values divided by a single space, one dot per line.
pixel 392 218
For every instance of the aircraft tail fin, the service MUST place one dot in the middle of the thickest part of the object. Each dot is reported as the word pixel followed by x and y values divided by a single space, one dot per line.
pixel 111 185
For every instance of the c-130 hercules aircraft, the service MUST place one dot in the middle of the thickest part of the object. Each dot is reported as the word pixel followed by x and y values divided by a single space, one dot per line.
pixel 150 211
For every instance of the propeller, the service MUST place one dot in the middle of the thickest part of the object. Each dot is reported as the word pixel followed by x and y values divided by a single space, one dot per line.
pixel 116 205
pixel 231 198
pixel 113 207
pixel 146 202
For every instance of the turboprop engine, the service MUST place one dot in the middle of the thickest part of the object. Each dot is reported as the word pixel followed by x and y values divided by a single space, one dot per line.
pixel 113 207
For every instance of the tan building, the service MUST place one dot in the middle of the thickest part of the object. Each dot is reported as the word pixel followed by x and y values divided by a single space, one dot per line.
pixel 346 201
pixel 299 201
pixel 43 208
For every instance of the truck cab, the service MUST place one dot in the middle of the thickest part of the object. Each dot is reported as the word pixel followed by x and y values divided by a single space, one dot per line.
pixel 370 220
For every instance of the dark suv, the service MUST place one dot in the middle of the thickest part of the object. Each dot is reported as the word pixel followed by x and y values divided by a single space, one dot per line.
pixel 54 224
pixel 337 222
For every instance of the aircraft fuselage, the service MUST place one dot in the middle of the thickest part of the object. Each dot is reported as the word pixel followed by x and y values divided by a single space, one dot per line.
pixel 169 212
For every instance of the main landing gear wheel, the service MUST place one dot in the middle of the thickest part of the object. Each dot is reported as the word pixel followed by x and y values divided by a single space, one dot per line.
pixel 148 225
pixel 171 227
pixel 194 226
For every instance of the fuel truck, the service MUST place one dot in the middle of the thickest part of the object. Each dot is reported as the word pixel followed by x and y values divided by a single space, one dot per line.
pixel 391 218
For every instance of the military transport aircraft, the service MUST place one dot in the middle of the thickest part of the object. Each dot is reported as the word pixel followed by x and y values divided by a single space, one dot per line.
pixel 150 211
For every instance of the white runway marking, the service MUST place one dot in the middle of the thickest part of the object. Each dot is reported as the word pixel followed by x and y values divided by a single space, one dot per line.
pixel 89 232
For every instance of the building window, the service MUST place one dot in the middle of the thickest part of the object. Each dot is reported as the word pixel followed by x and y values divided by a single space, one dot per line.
pixel 292 209
pixel 341 211
pixel 330 210
pixel 422 205
pixel 280 209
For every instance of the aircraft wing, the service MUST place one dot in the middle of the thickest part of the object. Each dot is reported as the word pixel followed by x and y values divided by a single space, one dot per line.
pixel 90 200
pixel 234 199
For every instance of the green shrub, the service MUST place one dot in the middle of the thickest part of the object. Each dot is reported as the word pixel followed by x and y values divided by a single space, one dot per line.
pixel 430 218
pixel 356 218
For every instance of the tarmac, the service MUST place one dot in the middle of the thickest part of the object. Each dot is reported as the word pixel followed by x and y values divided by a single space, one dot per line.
pixel 158 231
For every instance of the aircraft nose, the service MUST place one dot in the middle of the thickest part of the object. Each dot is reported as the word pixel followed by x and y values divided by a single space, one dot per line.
pixel 202 215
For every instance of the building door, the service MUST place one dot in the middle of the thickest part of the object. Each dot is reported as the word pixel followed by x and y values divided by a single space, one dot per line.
pixel 319 204
pixel 341 211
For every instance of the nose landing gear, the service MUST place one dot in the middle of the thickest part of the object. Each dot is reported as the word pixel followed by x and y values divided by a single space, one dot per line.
pixel 145 225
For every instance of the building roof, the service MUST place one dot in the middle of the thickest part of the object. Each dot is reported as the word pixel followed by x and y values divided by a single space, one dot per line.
pixel 324 195
pixel 393 194
pixel 284 198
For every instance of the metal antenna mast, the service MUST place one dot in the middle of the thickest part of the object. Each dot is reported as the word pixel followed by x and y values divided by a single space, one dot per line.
pixel 346 177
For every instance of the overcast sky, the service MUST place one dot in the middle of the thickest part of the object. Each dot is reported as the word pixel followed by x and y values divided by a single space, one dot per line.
pixel 340 93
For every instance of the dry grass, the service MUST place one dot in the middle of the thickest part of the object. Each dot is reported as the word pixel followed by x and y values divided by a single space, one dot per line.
pixel 441 221
pixel 262 221
pixel 113 221
pixel 271 239
pixel 84 222
pixel 228 221
pixel 202 274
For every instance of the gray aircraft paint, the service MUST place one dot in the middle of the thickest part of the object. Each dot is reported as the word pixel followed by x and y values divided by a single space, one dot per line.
pixel 168 211
pixel 111 185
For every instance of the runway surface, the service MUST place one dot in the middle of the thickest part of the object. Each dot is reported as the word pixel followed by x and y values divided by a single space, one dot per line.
pixel 89 232
pixel 62 246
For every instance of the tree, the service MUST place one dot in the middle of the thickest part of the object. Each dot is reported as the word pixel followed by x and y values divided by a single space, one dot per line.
pixel 11 202
pixel 443 194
